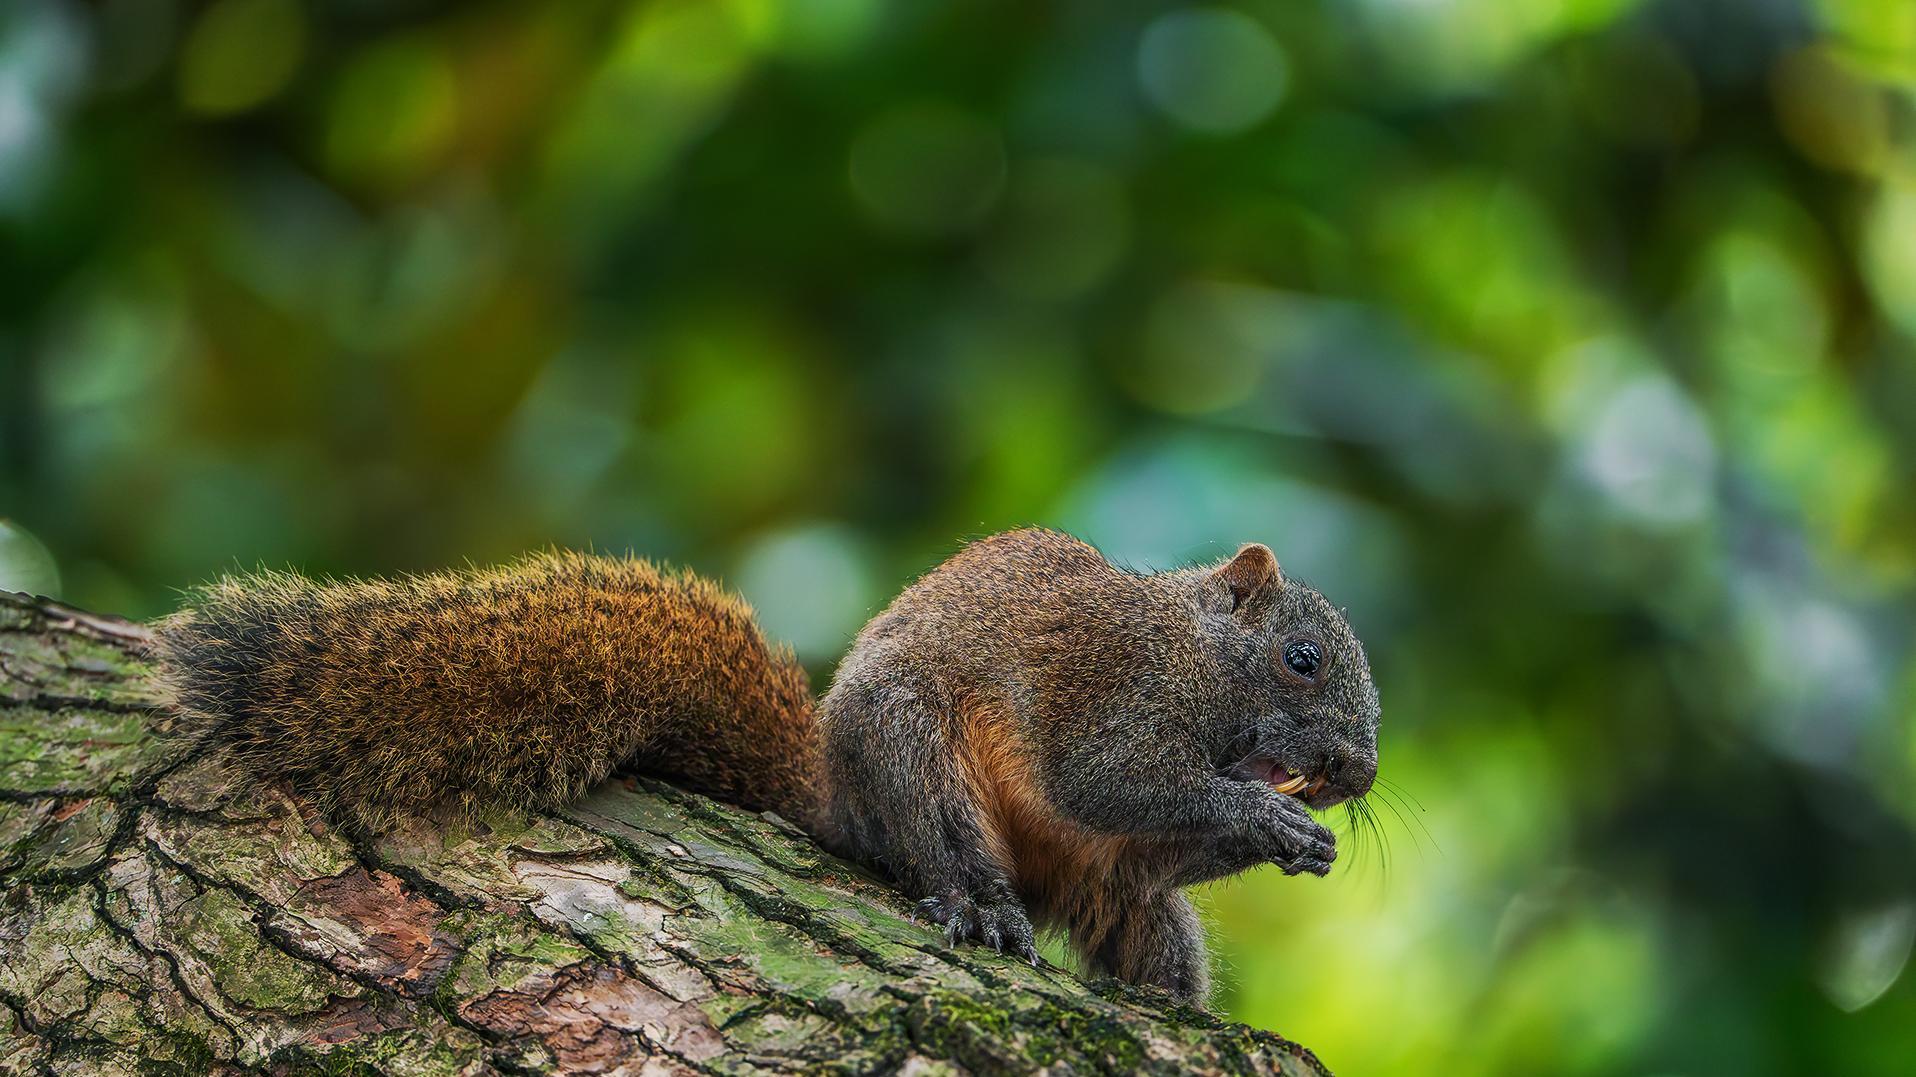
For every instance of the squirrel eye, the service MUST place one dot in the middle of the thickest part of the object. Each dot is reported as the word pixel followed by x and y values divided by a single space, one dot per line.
pixel 1304 657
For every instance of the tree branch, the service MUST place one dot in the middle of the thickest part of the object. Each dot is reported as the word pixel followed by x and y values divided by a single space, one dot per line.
pixel 156 916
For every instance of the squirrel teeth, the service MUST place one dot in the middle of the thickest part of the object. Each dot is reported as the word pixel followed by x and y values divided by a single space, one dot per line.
pixel 1291 786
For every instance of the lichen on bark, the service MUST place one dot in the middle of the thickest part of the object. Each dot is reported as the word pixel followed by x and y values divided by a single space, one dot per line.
pixel 157 917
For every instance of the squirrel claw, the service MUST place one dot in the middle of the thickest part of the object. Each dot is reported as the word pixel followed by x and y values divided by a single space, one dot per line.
pixel 1302 844
pixel 1307 863
pixel 934 910
pixel 999 923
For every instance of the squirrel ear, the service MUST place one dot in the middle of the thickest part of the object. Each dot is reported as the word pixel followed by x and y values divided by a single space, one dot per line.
pixel 1252 574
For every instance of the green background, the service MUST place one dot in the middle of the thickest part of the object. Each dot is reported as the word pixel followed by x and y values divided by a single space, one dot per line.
pixel 1568 344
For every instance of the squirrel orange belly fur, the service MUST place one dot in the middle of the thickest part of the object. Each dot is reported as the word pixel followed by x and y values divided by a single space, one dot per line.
pixel 1027 732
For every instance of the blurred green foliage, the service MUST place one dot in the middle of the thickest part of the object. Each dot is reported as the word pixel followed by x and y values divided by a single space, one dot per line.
pixel 1567 341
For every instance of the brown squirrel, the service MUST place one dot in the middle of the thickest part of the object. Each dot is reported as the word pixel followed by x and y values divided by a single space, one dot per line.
pixel 1027 731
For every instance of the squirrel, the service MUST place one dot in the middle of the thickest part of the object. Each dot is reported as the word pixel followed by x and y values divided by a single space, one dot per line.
pixel 1027 734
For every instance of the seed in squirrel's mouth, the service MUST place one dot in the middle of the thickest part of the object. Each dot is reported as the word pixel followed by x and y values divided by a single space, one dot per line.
pixel 1280 778
pixel 1296 785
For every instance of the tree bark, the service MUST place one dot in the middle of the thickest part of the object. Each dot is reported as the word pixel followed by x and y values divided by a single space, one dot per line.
pixel 158 917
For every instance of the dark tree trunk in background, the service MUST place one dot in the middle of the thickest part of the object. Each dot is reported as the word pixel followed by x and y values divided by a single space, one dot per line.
pixel 154 918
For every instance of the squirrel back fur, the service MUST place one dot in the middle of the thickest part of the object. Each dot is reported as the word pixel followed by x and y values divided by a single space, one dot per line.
pixel 519 685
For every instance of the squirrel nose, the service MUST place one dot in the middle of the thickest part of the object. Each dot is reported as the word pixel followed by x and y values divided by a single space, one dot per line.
pixel 1350 771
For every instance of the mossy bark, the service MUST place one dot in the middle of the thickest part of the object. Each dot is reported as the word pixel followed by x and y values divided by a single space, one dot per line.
pixel 157 917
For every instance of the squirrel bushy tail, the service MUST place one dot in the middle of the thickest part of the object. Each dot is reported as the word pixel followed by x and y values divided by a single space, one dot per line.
pixel 521 685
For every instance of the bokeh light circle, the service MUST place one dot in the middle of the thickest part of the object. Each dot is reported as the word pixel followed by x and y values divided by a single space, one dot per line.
pixel 1212 69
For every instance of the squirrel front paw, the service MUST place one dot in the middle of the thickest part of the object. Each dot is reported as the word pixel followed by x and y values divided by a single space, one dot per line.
pixel 1301 843
pixel 996 920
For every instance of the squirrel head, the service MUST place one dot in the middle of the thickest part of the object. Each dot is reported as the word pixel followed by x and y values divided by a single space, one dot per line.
pixel 1295 692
